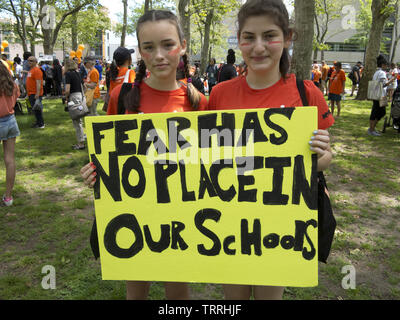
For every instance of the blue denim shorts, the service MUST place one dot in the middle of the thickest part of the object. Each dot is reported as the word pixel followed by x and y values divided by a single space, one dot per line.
pixel 8 127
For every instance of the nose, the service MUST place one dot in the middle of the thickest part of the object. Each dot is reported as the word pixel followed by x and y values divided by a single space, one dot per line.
pixel 259 45
pixel 158 53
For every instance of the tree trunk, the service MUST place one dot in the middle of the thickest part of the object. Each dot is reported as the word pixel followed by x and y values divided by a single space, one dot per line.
pixel 124 23
pixel 395 33
pixel 32 50
pixel 184 16
pixel 379 17
pixel 146 5
pixel 315 57
pixel 47 41
pixel 206 43
pixel 74 31
pixel 303 46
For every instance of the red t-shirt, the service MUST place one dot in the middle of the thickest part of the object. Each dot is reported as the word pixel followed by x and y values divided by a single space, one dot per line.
pixel 236 94
pixel 156 101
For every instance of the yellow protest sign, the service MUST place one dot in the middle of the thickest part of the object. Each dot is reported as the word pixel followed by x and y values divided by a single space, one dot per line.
pixel 215 197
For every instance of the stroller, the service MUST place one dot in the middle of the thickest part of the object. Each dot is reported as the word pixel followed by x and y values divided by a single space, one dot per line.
pixel 394 118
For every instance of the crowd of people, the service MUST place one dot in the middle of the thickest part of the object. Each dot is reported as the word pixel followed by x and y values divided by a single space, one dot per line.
pixel 331 80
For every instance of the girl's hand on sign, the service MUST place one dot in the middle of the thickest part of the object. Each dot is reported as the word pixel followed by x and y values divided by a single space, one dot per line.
pixel 320 144
pixel 88 174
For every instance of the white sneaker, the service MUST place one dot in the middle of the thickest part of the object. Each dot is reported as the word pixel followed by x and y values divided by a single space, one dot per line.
pixel 377 133
pixel 373 133
pixel 7 201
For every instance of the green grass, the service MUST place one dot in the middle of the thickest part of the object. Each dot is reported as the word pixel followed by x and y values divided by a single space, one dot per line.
pixel 52 217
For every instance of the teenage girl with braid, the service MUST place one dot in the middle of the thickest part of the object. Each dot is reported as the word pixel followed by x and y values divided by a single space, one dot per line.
pixel 161 45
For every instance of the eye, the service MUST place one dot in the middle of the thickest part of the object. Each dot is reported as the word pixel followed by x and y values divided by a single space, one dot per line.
pixel 248 37
pixel 169 45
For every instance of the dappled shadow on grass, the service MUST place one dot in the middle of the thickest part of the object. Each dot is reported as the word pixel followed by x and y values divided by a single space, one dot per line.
pixel 49 149
pixel 364 184
pixel 51 219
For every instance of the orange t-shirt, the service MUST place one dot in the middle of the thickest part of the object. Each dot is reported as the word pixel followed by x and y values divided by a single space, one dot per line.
pixel 33 75
pixel 236 94
pixel 317 75
pixel 336 82
pixel 156 101
pixel 121 76
pixel 325 70
pixel 94 76
pixel 7 103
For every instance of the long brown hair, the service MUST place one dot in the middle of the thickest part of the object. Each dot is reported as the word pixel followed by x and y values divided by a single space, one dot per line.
pixel 131 100
pixel 6 81
pixel 276 10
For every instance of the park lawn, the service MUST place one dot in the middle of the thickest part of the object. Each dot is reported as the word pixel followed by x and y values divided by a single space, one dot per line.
pixel 52 215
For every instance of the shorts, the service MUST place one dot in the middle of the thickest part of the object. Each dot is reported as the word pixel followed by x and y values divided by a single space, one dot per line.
pixel 377 112
pixel 334 97
pixel 8 127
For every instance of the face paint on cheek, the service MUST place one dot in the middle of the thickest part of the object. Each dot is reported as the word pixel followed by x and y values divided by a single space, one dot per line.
pixel 145 55
pixel 244 44
pixel 175 51
pixel 274 43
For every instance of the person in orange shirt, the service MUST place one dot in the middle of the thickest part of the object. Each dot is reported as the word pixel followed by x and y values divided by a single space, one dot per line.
pixel 324 78
pixel 34 88
pixel 92 83
pixel 337 85
pixel 118 71
pixel 264 38
pixel 122 60
pixel 316 76
pixel 161 45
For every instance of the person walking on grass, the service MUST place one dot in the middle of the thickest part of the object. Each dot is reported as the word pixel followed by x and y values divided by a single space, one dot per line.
pixel 324 78
pixel 337 84
pixel 34 88
pixel 74 90
pixel 92 82
pixel 9 131
pixel 378 112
